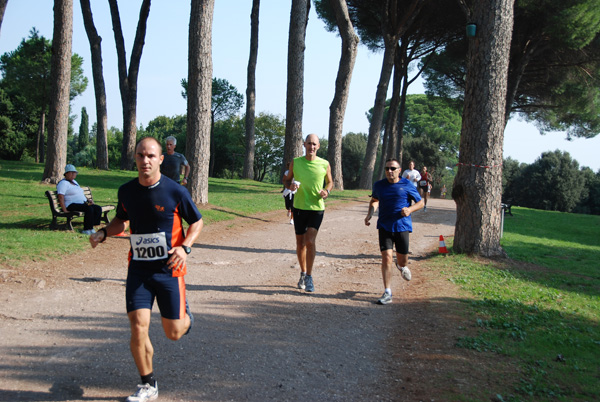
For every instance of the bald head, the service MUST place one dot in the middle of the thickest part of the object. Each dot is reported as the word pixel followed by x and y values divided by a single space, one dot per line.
pixel 311 145
pixel 145 140
pixel 312 137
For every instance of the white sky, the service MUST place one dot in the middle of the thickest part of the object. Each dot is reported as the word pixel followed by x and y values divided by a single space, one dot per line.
pixel 164 64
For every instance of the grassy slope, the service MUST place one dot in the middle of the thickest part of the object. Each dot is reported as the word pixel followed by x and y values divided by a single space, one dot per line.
pixel 540 308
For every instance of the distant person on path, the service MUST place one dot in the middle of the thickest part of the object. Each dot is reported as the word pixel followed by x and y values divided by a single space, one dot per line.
pixel 71 198
pixel 310 176
pixel 288 197
pixel 425 185
pixel 154 207
pixel 412 174
pixel 173 162
pixel 444 191
pixel 393 196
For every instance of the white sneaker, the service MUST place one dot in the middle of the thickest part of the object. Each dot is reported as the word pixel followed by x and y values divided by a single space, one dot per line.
pixel 386 298
pixel 291 221
pixel 405 272
pixel 88 232
pixel 145 392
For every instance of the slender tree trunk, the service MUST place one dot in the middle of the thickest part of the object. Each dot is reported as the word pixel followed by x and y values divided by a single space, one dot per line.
pixel 295 81
pixel 515 73
pixel 128 78
pixel 366 173
pixel 211 162
pixel 99 87
pixel 200 70
pixel 39 149
pixel 248 172
pixel 337 109
pixel 391 125
pixel 60 74
pixel 2 10
pixel 477 186
pixel 394 26
pixel 401 120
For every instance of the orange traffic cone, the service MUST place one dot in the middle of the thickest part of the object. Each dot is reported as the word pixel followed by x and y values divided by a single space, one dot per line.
pixel 443 249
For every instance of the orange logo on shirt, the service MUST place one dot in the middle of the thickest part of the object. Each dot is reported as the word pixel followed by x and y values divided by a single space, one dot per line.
pixel 159 208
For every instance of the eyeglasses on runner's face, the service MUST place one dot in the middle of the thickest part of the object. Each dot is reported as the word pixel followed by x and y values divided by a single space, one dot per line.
pixel 392 168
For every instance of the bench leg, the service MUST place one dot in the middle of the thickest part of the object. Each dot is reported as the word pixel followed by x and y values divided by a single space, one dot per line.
pixel 105 217
pixel 69 224
pixel 53 224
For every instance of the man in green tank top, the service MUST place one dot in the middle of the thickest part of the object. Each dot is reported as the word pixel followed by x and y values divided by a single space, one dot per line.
pixel 311 176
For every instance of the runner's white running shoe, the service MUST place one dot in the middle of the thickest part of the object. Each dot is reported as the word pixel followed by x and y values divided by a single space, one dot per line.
pixel 386 298
pixel 145 392
pixel 404 271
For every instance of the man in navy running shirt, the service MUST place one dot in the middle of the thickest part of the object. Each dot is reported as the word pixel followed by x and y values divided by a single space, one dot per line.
pixel 153 206
pixel 393 196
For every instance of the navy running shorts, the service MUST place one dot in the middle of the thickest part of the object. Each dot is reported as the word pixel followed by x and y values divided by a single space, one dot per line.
pixel 144 287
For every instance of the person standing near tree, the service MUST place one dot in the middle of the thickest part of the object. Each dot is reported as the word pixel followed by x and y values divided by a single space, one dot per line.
pixel 425 185
pixel 310 177
pixel 154 207
pixel 174 162
pixel 393 196
pixel 288 197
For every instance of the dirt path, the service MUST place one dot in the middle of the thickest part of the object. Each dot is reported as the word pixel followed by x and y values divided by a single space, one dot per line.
pixel 64 333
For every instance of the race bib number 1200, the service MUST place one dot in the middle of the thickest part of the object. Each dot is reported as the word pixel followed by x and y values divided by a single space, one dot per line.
pixel 149 246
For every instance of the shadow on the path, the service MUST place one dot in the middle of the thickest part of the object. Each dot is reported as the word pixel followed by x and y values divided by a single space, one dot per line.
pixel 58 392
pixel 281 251
pixel 281 291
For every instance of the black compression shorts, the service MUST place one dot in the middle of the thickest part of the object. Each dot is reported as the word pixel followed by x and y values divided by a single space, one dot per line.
pixel 387 240
pixel 304 219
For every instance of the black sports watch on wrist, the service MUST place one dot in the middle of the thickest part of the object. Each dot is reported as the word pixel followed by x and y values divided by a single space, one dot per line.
pixel 186 249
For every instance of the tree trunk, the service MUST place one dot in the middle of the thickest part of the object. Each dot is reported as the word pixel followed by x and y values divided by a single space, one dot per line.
pixel 39 149
pixel 2 10
pixel 248 172
pixel 401 120
pixel 337 110
pixel 128 79
pixel 515 73
pixel 211 161
pixel 477 186
pixel 295 81
pixel 200 70
pixel 366 173
pixel 391 125
pixel 99 86
pixel 60 73
pixel 394 26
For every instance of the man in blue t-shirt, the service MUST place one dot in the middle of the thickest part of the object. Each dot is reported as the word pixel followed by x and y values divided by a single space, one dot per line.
pixel 393 196
pixel 154 207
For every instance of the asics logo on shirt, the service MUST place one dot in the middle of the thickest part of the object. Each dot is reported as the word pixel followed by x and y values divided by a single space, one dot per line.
pixel 146 240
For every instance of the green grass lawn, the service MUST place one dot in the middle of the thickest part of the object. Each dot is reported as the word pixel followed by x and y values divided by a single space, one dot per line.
pixel 541 307
pixel 25 214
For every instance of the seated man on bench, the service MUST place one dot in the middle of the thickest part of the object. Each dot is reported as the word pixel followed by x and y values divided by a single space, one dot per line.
pixel 71 198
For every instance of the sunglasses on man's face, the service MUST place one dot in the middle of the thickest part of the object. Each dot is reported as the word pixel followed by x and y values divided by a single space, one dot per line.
pixel 392 168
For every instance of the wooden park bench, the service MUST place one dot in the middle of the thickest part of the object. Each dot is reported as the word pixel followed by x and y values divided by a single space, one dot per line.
pixel 57 211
